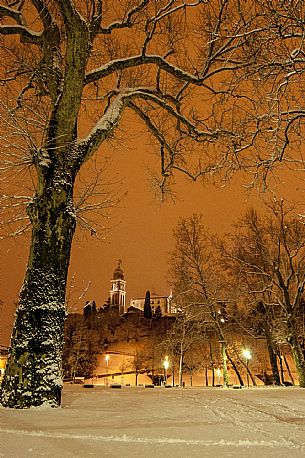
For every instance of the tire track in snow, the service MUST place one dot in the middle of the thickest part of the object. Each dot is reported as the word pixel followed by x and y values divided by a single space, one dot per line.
pixel 157 440
pixel 297 419
pixel 249 410
pixel 224 412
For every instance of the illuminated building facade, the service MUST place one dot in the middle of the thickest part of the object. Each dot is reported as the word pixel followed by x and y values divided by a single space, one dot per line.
pixel 118 289
pixel 164 302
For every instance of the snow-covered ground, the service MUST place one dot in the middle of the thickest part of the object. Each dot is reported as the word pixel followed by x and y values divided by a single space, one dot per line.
pixel 160 422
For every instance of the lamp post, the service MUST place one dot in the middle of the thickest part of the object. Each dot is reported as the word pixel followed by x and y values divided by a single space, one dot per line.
pixel 247 355
pixel 166 366
pixel 107 357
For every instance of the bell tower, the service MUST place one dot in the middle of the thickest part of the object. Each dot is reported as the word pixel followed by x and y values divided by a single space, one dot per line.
pixel 118 289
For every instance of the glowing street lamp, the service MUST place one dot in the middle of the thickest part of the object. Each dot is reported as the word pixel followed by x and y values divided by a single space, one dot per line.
pixel 166 366
pixel 107 357
pixel 247 355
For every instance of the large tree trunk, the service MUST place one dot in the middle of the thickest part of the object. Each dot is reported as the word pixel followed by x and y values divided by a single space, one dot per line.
pixel 212 365
pixel 181 367
pixel 224 364
pixel 281 368
pixel 224 356
pixel 33 374
pixel 296 351
pixel 236 370
pixel 288 369
pixel 272 356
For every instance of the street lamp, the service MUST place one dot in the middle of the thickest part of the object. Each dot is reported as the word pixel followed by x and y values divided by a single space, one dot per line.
pixel 166 366
pixel 107 357
pixel 247 355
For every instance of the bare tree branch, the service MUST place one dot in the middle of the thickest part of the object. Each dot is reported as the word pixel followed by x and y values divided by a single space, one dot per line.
pixel 160 62
pixel 6 11
pixel 127 22
pixel 26 35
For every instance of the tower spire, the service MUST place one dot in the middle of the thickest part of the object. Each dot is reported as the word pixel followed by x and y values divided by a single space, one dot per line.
pixel 118 291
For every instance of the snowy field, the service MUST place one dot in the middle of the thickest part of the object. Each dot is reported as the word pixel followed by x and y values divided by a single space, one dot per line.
pixel 160 422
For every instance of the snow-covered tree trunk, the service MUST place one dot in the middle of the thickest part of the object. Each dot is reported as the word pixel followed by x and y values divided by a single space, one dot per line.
pixel 296 351
pixel 224 364
pixel 33 374
pixel 181 367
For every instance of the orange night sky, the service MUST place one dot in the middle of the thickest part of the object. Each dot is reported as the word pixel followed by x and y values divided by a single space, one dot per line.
pixel 140 228
pixel 140 234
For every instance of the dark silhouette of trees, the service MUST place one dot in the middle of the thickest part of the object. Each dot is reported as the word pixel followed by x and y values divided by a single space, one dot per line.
pixel 181 338
pixel 81 348
pixel 158 313
pixel 147 306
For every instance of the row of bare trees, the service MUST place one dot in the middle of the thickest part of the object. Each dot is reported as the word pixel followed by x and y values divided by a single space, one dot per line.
pixel 251 282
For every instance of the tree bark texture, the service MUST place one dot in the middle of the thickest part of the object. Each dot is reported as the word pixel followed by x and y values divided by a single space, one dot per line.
pixel 181 368
pixel 224 362
pixel 272 357
pixel 33 373
pixel 296 351
pixel 288 369
pixel 281 369
pixel 236 370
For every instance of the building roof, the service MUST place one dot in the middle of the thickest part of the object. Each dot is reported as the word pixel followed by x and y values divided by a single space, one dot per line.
pixel 152 296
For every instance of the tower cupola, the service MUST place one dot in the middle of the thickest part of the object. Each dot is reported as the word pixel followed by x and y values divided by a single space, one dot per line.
pixel 118 289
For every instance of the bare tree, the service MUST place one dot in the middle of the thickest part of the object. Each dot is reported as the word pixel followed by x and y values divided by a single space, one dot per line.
pixel 199 286
pixel 182 337
pixel 81 348
pixel 276 83
pixel 269 255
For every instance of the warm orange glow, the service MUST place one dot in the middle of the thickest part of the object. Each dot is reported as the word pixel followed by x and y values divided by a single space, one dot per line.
pixel 247 354
pixel 166 363
pixel 2 363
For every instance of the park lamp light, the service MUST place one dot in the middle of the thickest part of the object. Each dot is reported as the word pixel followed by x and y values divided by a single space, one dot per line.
pixel 166 366
pixel 247 354
pixel 166 363
pixel 107 357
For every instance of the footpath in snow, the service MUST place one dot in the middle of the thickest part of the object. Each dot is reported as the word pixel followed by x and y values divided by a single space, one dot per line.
pixel 151 423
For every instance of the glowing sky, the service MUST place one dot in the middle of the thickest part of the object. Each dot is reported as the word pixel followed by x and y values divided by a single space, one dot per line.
pixel 140 233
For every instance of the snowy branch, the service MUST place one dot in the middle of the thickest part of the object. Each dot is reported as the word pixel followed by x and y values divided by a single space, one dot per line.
pixel 127 22
pixel 44 13
pixel 27 35
pixel 103 128
pixel 135 61
pixel 6 11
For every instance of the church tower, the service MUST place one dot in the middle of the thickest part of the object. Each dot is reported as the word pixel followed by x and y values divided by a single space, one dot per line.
pixel 118 290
